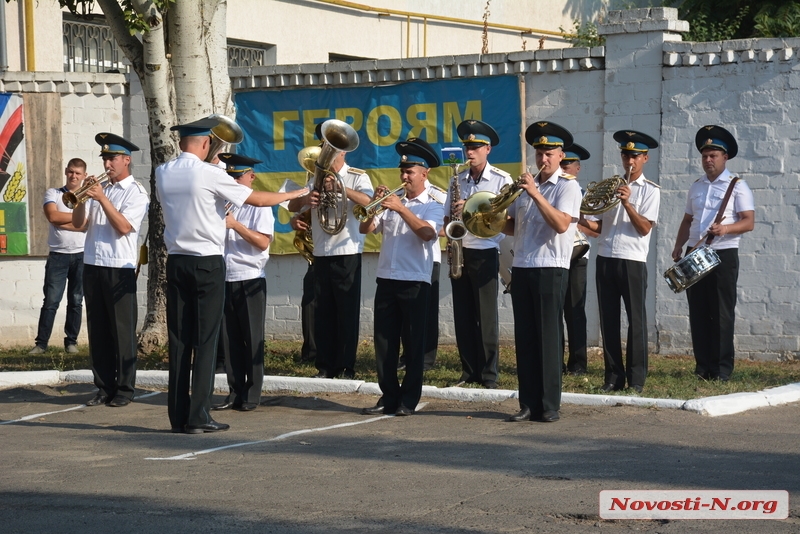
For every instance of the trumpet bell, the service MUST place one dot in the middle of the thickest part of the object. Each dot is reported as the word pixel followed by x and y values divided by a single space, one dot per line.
pixel 227 132
pixel 72 199
pixel 481 218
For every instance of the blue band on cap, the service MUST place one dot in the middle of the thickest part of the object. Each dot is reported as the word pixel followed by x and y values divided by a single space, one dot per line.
pixel 114 149
pixel 238 169
pixel 476 139
pixel 715 143
pixel 548 140
pixel 570 156
pixel 630 146
pixel 406 162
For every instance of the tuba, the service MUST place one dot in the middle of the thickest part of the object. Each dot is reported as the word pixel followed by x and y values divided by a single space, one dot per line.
pixel 602 196
pixel 72 199
pixel 303 241
pixel 485 213
pixel 337 137
pixel 227 132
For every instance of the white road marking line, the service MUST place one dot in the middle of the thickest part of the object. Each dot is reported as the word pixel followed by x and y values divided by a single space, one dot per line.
pixel 194 455
pixel 37 415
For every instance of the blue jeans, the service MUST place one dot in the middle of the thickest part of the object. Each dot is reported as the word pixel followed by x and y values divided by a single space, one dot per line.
pixel 59 269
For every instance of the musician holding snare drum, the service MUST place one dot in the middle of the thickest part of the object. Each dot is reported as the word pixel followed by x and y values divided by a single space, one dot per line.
pixel 712 300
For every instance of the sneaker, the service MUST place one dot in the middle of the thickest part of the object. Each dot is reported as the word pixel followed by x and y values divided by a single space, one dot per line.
pixel 37 350
pixel 71 349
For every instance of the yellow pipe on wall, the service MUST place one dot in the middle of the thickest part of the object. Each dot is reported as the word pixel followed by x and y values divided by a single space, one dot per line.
pixel 30 49
pixel 382 11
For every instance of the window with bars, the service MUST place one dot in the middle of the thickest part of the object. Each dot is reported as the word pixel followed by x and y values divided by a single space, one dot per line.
pixel 89 46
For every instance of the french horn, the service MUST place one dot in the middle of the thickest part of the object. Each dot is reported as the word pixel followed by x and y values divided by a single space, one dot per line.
pixel 602 196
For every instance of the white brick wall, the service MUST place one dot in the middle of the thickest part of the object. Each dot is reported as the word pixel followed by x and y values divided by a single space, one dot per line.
pixel 644 79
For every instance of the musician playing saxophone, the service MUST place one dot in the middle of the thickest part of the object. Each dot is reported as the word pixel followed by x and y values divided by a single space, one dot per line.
pixel 621 273
pixel 337 273
pixel 543 223
pixel 475 291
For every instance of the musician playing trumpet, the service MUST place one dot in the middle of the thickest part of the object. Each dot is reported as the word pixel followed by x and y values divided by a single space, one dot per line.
pixel 337 272
pixel 410 227
pixel 112 218
pixel 543 223
pixel 622 249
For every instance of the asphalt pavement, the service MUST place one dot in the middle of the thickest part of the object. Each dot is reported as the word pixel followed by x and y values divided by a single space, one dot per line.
pixel 310 463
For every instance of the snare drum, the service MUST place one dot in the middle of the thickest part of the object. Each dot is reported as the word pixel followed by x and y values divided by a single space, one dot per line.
pixel 691 268
pixel 506 259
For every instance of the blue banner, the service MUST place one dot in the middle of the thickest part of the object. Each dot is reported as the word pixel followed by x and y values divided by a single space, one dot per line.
pixel 278 123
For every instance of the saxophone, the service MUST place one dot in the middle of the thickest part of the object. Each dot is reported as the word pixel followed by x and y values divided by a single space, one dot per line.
pixel 455 229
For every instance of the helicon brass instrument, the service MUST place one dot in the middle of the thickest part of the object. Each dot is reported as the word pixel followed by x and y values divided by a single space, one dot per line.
pixel 337 137
pixel 602 196
pixel 79 196
pixel 227 132
pixel 363 213
pixel 485 213
pixel 455 229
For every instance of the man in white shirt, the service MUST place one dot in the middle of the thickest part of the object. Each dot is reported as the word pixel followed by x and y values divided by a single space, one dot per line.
pixel 194 196
pixel 112 220
pixel 64 267
pixel 543 222
pixel 712 300
pixel 337 273
pixel 475 291
pixel 249 231
pixel 410 229
pixel 622 249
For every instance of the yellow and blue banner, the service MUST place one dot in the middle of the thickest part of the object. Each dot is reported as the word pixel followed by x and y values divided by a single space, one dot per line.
pixel 278 123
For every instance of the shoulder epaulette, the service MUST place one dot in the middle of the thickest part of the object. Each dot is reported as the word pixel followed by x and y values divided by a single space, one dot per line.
pixel 354 170
pixel 434 193
pixel 500 172
pixel 652 183
pixel 140 186
pixel 567 176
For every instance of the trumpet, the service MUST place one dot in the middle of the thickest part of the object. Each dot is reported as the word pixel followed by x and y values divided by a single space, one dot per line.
pixel 72 199
pixel 363 213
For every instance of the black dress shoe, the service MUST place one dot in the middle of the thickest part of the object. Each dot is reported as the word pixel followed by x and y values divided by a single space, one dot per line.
pixel 608 387
pixel 723 378
pixel 211 426
pixel 119 401
pixel 549 416
pixel 227 405
pixel 403 411
pixel 523 415
pixel 348 374
pixel 177 430
pixel 637 388
pixel 490 384
pixel 577 372
pixel 246 407
pixel 97 400
pixel 372 410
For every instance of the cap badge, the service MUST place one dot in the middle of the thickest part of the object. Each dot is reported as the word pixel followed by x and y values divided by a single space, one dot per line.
pixel 541 124
pixel 630 145
pixel 709 141
pixel 105 147
pixel 542 140
pixel 471 137
pixel 403 158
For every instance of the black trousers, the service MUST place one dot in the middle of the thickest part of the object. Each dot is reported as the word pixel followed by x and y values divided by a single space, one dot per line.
pixel 575 316
pixel 400 314
pixel 538 298
pixel 307 309
pixel 337 293
pixel 111 316
pixel 627 280
pixel 195 299
pixel 475 315
pixel 241 338
pixel 431 322
pixel 712 313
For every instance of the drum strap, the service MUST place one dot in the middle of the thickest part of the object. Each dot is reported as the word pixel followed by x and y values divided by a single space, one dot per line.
pixel 721 212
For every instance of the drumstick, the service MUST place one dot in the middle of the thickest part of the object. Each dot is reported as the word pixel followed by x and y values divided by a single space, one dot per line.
pixel 702 238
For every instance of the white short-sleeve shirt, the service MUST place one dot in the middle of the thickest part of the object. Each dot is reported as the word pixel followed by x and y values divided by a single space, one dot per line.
pixel 703 203
pixel 349 240
pixel 618 238
pixel 492 179
pixel 193 195
pixel 536 244
pixel 59 239
pixel 404 256
pixel 439 196
pixel 104 246
pixel 243 261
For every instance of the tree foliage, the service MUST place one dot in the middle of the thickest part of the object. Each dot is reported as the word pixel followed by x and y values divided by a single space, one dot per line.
pixel 583 34
pixel 716 20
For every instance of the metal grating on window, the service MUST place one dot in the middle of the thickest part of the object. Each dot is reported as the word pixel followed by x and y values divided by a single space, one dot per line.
pixel 245 56
pixel 90 48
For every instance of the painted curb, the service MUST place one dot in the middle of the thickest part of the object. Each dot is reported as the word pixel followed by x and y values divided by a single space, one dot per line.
pixel 709 406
